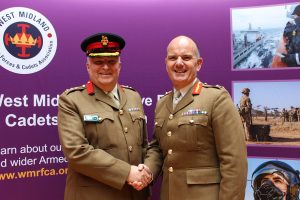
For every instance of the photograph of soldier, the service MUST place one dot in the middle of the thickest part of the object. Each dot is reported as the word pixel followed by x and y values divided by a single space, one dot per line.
pixel 265 44
pixel 245 112
pixel 273 179
pixel 291 39
pixel 269 116
pixel 284 115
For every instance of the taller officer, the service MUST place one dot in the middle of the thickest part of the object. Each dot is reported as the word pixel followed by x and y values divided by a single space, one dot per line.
pixel 198 139
pixel 102 128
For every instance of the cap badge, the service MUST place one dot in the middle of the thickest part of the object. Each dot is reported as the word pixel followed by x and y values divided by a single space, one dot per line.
pixel 104 40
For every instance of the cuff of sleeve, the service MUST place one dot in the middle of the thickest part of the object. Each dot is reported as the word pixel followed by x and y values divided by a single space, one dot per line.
pixel 118 179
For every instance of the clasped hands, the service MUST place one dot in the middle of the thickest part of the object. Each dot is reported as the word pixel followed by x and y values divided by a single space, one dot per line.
pixel 139 176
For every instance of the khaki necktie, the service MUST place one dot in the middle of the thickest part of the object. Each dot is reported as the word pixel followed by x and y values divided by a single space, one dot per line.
pixel 114 98
pixel 176 99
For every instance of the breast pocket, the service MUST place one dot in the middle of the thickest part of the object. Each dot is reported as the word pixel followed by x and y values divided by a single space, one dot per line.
pixel 138 120
pixel 194 129
pixel 95 127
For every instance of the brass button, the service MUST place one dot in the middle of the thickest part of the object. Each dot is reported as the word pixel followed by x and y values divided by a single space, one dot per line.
pixel 191 121
pixel 170 169
pixel 156 123
pixel 130 148
pixel 170 151
pixel 121 112
pixel 170 116
pixel 169 133
pixel 125 129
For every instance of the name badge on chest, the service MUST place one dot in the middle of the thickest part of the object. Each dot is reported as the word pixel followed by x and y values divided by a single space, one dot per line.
pixel 91 118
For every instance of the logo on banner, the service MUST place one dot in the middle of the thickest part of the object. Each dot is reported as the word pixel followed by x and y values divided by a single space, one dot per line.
pixel 29 40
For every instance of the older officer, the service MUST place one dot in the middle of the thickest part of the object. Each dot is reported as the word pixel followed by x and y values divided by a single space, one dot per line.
pixel 199 140
pixel 102 128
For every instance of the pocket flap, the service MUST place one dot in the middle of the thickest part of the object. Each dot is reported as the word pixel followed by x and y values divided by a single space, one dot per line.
pixel 203 176
pixel 136 115
pixel 199 120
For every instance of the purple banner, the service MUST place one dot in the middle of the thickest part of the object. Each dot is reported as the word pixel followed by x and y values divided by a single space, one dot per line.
pixel 40 57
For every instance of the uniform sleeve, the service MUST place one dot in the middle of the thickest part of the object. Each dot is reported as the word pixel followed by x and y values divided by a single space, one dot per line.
pixel 154 157
pixel 231 148
pixel 145 138
pixel 81 156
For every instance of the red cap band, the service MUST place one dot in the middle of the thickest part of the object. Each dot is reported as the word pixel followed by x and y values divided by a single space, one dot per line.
pixel 98 45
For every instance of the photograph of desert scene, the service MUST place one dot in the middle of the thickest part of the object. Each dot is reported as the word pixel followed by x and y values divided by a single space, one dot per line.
pixel 269 110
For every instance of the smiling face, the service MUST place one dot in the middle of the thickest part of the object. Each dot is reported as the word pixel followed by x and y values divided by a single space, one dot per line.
pixel 104 71
pixel 182 61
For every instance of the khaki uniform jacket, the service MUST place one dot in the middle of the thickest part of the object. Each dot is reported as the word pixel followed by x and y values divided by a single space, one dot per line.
pixel 101 142
pixel 200 147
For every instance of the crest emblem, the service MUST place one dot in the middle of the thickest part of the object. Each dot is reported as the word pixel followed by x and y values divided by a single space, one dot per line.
pixel 21 41
pixel 104 40
pixel 29 40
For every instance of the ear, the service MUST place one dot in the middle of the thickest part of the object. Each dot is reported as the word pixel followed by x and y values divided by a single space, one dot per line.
pixel 87 64
pixel 199 63
pixel 120 63
pixel 166 64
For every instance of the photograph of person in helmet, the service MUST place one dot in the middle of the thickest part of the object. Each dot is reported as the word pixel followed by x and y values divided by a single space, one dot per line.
pixel 275 180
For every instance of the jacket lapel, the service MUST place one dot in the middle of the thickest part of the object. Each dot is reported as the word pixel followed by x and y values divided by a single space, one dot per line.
pixel 186 100
pixel 123 97
pixel 169 102
pixel 101 96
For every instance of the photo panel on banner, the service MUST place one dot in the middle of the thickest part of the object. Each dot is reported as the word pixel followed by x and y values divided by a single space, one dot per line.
pixel 275 114
pixel 260 37
pixel 266 175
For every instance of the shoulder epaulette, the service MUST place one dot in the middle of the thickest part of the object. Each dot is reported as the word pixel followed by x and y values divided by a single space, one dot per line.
pixel 166 93
pixel 127 87
pixel 73 89
pixel 212 86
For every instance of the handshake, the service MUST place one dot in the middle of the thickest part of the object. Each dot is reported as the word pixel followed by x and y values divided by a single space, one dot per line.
pixel 139 176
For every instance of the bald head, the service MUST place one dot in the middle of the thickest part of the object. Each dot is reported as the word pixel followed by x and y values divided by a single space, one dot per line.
pixel 184 41
pixel 183 61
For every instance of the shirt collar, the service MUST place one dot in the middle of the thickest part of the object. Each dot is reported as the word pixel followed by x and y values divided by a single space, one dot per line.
pixel 184 90
pixel 115 92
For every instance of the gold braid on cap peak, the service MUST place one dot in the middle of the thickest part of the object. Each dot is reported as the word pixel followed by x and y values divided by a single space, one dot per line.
pixel 104 54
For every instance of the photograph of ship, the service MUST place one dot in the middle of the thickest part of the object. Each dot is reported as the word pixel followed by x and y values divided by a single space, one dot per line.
pixel 257 36
pixel 254 163
pixel 273 112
